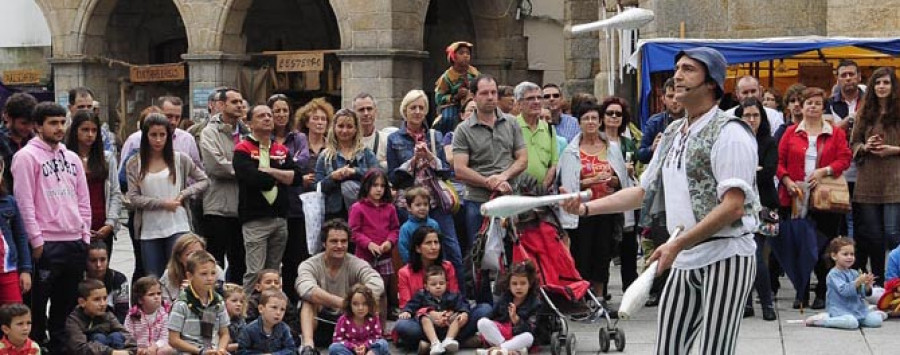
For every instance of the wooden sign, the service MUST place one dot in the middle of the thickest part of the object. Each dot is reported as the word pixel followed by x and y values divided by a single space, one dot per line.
pixel 21 77
pixel 157 73
pixel 294 62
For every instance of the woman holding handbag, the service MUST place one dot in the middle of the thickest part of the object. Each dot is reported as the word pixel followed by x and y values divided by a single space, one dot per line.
pixel 876 148
pixel 752 112
pixel 415 157
pixel 810 151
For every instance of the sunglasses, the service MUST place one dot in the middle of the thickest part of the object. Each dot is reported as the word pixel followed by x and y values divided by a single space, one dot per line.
pixel 613 113
pixel 555 96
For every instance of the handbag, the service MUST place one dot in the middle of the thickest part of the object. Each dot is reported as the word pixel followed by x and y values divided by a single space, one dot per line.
pixel 442 191
pixel 314 215
pixel 831 195
pixel 769 222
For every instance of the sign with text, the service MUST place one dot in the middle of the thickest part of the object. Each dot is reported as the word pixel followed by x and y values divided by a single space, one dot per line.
pixel 157 73
pixel 295 62
pixel 21 76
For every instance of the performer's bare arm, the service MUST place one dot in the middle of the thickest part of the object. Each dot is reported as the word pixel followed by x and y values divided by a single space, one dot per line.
pixel 729 210
pixel 627 199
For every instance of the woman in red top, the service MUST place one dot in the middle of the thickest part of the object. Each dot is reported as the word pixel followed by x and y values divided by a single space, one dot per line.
pixel 809 151
pixel 100 168
pixel 425 250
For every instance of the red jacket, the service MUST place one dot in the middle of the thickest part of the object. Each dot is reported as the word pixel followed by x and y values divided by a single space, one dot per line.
pixel 834 151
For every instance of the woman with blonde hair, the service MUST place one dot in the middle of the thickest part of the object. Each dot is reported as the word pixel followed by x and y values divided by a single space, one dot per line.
pixel 342 164
pixel 415 158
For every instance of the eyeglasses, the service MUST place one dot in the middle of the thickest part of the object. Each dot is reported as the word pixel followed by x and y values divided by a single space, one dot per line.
pixel 555 96
pixel 613 113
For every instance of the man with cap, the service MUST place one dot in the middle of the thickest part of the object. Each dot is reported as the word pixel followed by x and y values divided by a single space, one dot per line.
pixel 702 177
pixel 452 87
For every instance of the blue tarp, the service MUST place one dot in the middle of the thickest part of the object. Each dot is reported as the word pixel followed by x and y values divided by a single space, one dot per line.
pixel 659 54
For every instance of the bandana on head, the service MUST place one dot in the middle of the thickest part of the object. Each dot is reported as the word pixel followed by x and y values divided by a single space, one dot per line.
pixel 452 48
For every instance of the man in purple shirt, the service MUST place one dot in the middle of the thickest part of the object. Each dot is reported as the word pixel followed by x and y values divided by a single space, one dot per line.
pixel 182 140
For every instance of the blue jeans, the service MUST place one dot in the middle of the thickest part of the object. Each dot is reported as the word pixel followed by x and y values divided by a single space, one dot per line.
pixel 113 340
pixel 877 230
pixel 848 321
pixel 380 347
pixel 450 246
pixel 409 331
pixel 156 253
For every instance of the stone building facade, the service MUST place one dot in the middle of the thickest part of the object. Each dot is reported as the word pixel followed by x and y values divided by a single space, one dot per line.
pixel 384 47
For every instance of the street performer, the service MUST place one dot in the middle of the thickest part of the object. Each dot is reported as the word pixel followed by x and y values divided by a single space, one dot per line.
pixel 702 178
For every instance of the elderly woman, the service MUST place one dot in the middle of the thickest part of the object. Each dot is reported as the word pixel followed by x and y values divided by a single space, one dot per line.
pixel 343 163
pixel 591 162
pixel 414 157
pixel 298 147
pixel 809 151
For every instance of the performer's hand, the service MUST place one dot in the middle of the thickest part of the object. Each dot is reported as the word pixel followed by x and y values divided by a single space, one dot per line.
pixel 571 205
pixel 665 254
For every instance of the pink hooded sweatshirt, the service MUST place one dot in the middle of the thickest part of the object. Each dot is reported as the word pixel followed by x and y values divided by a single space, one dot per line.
pixel 52 192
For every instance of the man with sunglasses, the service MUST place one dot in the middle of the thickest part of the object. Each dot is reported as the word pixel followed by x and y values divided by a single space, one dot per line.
pixel 566 125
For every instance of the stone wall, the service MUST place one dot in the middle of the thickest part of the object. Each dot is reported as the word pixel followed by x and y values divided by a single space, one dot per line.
pixel 735 19
pixel 32 58
pixel 863 18
pixel 582 50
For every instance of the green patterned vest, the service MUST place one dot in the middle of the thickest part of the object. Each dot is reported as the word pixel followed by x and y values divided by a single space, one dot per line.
pixel 701 181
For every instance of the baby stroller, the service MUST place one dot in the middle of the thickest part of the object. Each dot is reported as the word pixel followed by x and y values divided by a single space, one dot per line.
pixel 538 236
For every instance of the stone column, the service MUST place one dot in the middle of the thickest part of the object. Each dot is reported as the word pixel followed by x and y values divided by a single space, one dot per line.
pixel 208 71
pixel 386 74
pixel 581 51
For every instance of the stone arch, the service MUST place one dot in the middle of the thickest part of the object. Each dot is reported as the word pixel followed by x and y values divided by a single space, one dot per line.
pixel 230 24
pixel 90 26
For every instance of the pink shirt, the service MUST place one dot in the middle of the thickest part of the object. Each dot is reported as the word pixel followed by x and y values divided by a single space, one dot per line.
pixel 373 224
pixel 352 335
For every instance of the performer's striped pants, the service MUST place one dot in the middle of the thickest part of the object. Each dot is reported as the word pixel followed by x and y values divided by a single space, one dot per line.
pixel 706 303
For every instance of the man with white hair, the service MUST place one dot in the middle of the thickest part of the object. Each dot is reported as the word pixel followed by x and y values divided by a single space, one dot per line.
pixel 748 86
pixel 366 109
pixel 539 137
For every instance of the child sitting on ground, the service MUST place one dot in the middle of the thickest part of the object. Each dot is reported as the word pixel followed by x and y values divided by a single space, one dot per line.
pixel 92 329
pixel 845 301
pixel 198 322
pixel 512 322
pixel 116 283
pixel 236 306
pixel 148 318
pixel 439 311
pixel 15 321
pixel 358 330
pixel 270 279
pixel 268 334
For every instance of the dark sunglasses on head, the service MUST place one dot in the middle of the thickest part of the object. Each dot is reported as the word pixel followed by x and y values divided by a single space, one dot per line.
pixel 614 113
pixel 555 96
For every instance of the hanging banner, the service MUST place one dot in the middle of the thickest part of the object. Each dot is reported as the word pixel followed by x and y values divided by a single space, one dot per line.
pixel 157 73
pixel 296 62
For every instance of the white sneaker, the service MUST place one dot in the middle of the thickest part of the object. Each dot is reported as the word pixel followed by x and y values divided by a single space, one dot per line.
pixel 450 345
pixel 481 351
pixel 437 349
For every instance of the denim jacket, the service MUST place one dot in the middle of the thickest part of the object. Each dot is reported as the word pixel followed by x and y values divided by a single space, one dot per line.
pixel 362 162
pixel 401 148
pixel 16 253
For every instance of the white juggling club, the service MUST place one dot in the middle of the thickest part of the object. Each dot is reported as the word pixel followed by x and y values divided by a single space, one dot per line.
pixel 637 294
pixel 511 205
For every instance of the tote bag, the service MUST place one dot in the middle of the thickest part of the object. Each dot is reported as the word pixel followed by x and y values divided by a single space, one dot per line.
pixel 314 216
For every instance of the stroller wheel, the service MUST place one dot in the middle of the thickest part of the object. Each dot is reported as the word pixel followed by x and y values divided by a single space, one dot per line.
pixel 620 340
pixel 571 343
pixel 555 345
pixel 604 340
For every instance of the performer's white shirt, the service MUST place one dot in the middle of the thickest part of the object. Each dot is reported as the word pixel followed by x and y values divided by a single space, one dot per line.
pixel 734 161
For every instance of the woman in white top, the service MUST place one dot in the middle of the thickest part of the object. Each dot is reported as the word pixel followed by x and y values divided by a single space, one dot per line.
pixel 158 192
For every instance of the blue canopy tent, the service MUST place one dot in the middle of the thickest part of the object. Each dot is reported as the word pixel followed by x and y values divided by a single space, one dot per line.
pixel 656 55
